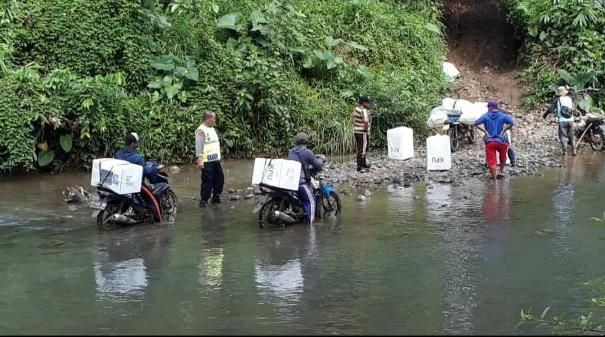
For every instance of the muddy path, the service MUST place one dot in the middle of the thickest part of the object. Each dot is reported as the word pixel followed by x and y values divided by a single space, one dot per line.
pixel 483 45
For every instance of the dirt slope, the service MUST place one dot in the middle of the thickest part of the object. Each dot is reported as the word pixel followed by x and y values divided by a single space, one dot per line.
pixel 483 47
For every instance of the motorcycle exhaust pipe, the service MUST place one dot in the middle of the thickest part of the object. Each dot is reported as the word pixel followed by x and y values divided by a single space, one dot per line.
pixel 283 217
pixel 121 218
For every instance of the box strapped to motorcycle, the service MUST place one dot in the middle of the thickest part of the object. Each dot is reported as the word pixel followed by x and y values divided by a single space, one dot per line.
pixel 276 173
pixel 119 176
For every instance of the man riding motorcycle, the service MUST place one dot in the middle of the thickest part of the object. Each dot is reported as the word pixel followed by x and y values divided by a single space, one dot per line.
pixel 309 161
pixel 130 154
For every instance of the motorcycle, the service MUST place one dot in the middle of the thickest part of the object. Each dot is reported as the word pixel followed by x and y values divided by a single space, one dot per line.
pixel 281 207
pixel 591 127
pixel 155 203
pixel 458 131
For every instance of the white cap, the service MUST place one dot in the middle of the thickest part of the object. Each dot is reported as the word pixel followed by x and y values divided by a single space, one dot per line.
pixel 136 136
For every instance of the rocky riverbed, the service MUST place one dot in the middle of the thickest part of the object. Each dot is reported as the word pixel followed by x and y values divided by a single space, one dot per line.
pixel 534 139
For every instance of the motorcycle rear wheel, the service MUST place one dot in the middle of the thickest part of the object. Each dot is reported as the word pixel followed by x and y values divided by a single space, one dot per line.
pixel 265 216
pixel 102 222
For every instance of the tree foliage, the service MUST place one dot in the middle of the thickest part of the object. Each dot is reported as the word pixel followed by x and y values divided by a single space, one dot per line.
pixel 78 75
pixel 564 35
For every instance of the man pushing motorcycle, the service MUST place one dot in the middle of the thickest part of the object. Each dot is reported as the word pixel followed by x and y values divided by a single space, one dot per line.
pixel 309 161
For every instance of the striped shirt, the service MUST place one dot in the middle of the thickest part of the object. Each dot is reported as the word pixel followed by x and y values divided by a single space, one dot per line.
pixel 360 117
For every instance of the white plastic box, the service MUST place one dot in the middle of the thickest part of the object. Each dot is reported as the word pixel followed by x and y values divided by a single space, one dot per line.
pixel 278 173
pixel 120 176
pixel 400 143
pixel 438 153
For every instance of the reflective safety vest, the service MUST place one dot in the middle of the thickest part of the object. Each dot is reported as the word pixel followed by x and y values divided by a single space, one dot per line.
pixel 212 145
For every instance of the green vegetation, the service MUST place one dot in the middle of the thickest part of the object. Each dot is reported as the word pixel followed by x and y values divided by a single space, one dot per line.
pixel 564 43
pixel 570 324
pixel 78 75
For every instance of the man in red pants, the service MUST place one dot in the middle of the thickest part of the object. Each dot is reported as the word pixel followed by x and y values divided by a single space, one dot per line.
pixel 496 124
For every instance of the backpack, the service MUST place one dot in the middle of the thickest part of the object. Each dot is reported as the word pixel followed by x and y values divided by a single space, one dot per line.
pixel 564 111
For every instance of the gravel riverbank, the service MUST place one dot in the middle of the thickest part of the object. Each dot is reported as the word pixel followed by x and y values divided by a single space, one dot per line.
pixel 535 142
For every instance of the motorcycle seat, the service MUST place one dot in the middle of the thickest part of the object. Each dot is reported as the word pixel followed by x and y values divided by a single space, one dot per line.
pixel 596 120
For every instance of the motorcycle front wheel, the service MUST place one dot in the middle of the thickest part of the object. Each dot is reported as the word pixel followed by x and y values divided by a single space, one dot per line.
pixel 454 141
pixel 471 135
pixel 169 203
pixel 331 204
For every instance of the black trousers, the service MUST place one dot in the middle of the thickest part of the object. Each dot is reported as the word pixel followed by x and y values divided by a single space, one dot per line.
pixel 361 139
pixel 212 181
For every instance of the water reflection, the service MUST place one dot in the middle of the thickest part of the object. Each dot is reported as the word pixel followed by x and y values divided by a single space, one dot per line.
pixel 210 268
pixel 496 208
pixel 125 258
pixel 280 270
pixel 281 282
pixel 460 248
pixel 563 206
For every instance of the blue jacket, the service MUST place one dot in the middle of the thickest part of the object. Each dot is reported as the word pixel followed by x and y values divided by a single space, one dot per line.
pixel 130 155
pixel 494 124
pixel 307 159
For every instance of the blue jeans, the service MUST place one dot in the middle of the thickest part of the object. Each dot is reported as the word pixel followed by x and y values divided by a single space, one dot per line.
pixel 511 154
pixel 305 195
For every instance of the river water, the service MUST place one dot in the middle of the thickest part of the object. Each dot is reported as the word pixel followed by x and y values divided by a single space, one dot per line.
pixel 430 259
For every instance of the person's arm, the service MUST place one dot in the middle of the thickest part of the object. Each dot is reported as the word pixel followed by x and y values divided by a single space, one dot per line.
pixel 313 160
pixel 509 122
pixel 199 148
pixel 138 159
pixel 150 170
pixel 478 123
pixel 551 108
pixel 366 119
pixel 480 128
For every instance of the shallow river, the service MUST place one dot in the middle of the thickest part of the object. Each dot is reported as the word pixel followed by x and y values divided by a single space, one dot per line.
pixel 430 259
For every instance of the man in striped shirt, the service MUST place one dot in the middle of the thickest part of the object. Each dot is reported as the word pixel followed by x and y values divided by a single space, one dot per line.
pixel 361 128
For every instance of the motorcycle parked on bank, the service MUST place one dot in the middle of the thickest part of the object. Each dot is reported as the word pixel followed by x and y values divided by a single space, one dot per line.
pixel 280 207
pixel 591 128
pixel 590 125
pixel 458 131
pixel 156 202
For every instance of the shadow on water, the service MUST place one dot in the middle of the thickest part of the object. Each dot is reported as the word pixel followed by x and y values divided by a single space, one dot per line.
pixel 431 259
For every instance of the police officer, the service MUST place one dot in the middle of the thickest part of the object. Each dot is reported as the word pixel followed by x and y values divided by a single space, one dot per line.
pixel 208 154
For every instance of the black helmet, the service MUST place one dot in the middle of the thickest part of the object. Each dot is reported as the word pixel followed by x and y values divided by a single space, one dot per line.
pixel 301 138
pixel 365 98
pixel 131 138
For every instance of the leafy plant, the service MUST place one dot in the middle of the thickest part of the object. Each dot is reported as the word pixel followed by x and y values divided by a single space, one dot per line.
pixel 174 75
pixel 578 82
pixel 326 58
pixel 560 35
pixel 583 323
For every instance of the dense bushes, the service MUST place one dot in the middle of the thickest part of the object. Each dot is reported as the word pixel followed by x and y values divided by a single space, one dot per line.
pixel 564 42
pixel 80 74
